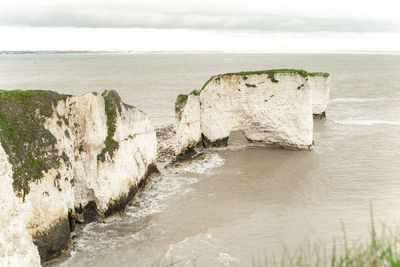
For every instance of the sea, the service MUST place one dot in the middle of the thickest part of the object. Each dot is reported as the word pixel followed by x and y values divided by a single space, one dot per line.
pixel 241 204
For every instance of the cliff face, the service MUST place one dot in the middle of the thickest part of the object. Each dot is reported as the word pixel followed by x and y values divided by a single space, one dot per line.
pixel 187 118
pixel 319 85
pixel 16 247
pixel 108 153
pixel 84 158
pixel 264 110
pixel 270 107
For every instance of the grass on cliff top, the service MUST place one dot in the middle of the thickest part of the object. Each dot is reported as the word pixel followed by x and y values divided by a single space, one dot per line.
pixel 181 101
pixel 180 104
pixel 270 74
pixel 29 146
pixel 182 98
pixel 113 104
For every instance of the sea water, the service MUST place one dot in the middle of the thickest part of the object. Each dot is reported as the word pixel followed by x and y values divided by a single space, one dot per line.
pixel 242 202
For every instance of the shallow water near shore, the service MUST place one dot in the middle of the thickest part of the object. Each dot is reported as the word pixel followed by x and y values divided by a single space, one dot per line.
pixel 240 202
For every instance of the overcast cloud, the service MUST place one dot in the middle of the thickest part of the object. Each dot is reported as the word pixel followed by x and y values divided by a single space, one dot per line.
pixel 277 16
pixel 238 24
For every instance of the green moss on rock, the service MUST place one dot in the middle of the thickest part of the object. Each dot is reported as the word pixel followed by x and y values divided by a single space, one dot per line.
pixel 273 71
pixel 207 82
pixel 30 147
pixel 195 92
pixel 113 104
pixel 251 85
pixel 180 104
pixel 270 73
pixel 182 98
pixel 324 74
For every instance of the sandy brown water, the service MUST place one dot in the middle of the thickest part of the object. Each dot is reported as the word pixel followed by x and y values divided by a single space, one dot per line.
pixel 241 202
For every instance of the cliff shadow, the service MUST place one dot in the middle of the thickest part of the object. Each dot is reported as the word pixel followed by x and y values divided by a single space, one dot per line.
pixel 237 138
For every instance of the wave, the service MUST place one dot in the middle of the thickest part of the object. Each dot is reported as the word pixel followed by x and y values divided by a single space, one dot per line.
pixel 358 100
pixel 203 166
pixel 152 200
pixel 366 122
pixel 200 249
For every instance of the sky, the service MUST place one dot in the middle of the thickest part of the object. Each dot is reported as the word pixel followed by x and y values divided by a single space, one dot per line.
pixel 207 25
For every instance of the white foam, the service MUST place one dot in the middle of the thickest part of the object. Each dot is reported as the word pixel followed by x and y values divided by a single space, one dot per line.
pixel 212 160
pixel 199 250
pixel 189 245
pixel 366 122
pixel 152 200
pixel 226 259
pixel 98 236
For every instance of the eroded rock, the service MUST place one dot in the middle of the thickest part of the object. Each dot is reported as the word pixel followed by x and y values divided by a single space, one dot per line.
pixel 90 152
pixel 273 107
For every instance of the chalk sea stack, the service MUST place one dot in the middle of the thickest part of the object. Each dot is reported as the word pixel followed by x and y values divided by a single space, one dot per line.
pixel 273 107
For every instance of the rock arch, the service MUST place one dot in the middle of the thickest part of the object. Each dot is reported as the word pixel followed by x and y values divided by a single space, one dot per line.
pixel 273 107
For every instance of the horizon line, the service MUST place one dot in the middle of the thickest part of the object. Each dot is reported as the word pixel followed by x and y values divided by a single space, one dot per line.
pixel 61 51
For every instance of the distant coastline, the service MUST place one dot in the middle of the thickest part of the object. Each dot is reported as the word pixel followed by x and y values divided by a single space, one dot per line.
pixel 51 52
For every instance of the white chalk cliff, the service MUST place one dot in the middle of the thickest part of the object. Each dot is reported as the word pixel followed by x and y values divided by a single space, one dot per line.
pixel 270 107
pixel 187 119
pixel 265 111
pixel 106 150
pixel 319 85
pixel 103 182
pixel 16 247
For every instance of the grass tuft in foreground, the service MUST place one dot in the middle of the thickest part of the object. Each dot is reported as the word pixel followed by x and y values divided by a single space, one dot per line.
pixel 382 250
pixel 376 251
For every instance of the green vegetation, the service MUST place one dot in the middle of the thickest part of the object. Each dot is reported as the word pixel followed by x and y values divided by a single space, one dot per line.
pixel 180 104
pixel 195 92
pixel 113 104
pixel 324 74
pixel 206 83
pixel 270 73
pixel 30 147
pixel 181 101
pixel 383 250
pixel 273 71
pixel 376 251
pixel 20 94
pixel 182 98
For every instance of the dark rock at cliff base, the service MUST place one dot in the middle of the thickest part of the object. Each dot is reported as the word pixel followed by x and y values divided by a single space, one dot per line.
pixel 55 242
pixel 217 143
pixel 320 116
